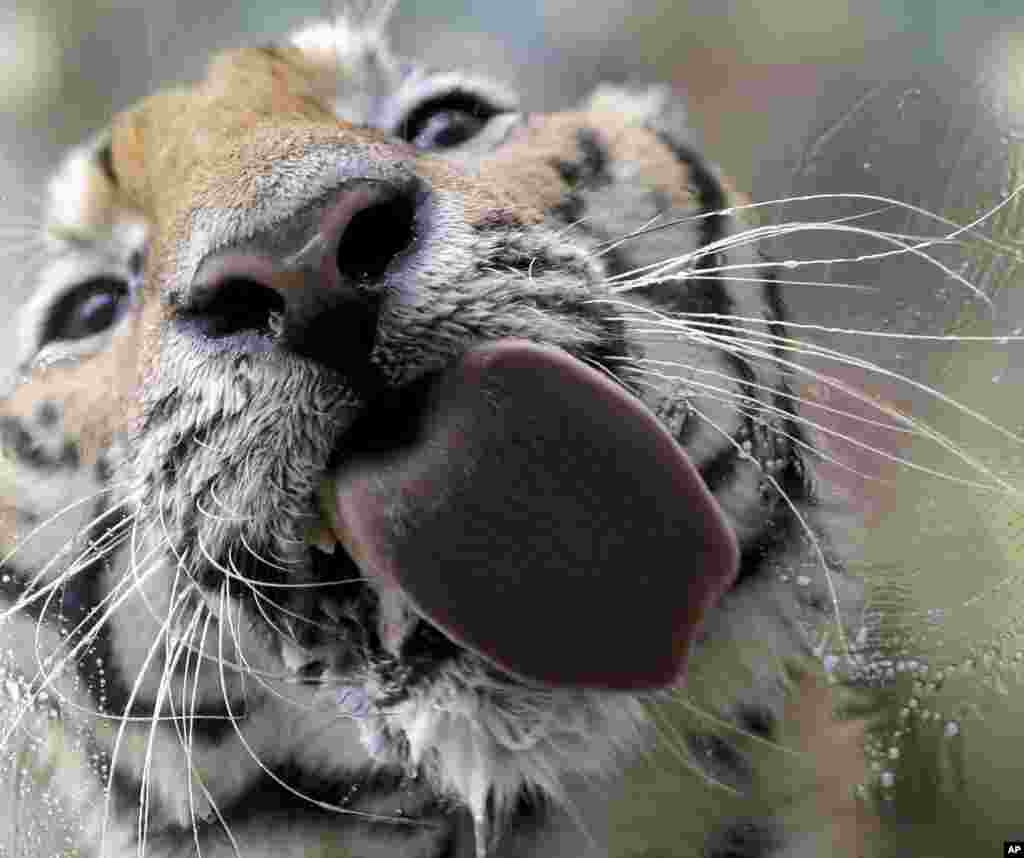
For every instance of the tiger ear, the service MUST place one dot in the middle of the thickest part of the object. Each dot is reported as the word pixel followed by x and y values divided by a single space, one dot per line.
pixel 656 106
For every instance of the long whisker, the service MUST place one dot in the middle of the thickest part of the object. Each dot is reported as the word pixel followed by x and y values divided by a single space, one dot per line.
pixel 732 397
pixel 71 507
pixel 699 274
pixel 183 724
pixel 751 411
pixel 928 432
pixel 636 366
pixel 51 592
pixel 802 523
pixel 289 565
pixel 279 585
pixel 154 648
pixel 87 629
pixel 676 744
pixel 33 593
pixel 322 805
pixel 707 320
pixel 172 656
pixel 887 203
pixel 731 341
pixel 678 269
pixel 191 737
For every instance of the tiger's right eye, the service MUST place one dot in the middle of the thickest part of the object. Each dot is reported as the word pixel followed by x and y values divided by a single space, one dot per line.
pixel 87 309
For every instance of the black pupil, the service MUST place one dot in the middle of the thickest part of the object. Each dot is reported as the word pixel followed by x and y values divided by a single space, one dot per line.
pixel 87 309
pixel 448 128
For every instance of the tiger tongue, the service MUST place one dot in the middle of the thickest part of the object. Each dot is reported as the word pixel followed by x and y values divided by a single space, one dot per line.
pixel 544 519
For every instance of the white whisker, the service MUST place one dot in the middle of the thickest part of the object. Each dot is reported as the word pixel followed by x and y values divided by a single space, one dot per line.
pixel 151 652
pixel 699 274
pixel 803 524
pixel 314 802
pixel 172 654
pixel 732 340
pixel 88 628
pixel 679 269
pixel 71 507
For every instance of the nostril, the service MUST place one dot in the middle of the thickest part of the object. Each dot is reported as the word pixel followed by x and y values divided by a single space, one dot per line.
pixel 235 304
pixel 310 284
pixel 374 236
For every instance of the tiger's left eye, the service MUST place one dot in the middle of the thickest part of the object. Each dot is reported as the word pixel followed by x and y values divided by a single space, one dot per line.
pixel 448 128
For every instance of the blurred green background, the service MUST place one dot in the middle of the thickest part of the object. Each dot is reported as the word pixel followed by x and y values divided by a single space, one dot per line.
pixel 920 101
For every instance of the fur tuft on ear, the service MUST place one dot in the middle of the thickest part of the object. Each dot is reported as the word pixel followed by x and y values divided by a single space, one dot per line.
pixel 352 65
pixel 656 106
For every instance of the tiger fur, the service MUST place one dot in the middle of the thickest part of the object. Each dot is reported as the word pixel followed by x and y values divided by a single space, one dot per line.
pixel 165 630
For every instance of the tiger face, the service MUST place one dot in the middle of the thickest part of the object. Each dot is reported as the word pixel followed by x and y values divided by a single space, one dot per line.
pixel 257 281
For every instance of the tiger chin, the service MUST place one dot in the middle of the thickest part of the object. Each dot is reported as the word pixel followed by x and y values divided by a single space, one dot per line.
pixel 253 280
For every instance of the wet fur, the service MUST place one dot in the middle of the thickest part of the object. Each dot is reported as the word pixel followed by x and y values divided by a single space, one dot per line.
pixel 179 455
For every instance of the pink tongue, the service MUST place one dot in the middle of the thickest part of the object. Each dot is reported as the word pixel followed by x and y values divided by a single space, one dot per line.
pixel 545 520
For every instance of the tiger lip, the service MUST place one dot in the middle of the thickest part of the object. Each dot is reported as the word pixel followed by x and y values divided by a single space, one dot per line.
pixel 504 509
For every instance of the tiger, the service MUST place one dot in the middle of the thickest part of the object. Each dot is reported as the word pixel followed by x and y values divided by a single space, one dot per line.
pixel 253 280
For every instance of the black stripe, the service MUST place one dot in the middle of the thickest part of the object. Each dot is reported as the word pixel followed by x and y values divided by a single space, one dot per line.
pixel 780 525
pixel 721 760
pixel 265 797
pixel 705 296
pixel 589 170
pixel 720 467
pixel 773 299
pixel 21 445
pixel 710 192
pixel 794 480
pixel 77 606
pixel 105 161
pixel 701 296
pixel 759 719
pixel 160 412
pixel 778 531
pixel 745 838
pixel 209 724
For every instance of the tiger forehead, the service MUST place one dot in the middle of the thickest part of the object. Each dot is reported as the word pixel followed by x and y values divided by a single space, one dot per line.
pixel 253 127
pixel 223 142
pixel 209 145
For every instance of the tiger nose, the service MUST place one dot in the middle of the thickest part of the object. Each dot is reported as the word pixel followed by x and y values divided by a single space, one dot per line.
pixel 319 299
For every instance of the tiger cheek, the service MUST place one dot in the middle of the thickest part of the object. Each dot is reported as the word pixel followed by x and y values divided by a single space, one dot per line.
pixel 144 351
pixel 98 396
pixel 553 153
